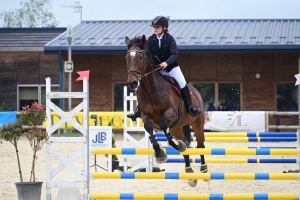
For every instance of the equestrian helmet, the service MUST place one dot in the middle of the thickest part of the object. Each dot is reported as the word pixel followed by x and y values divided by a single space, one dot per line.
pixel 160 21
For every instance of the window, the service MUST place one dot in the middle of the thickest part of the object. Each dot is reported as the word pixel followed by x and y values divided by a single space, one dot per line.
pixel 227 94
pixel 28 94
pixel 118 96
pixel 207 91
pixel 43 96
pixel 287 97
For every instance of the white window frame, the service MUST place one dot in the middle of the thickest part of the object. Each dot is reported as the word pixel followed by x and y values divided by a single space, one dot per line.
pixel 38 86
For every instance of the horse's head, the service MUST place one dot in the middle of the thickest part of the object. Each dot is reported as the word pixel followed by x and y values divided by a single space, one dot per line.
pixel 136 60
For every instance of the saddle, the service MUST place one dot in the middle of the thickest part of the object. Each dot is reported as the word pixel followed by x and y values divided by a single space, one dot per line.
pixel 173 83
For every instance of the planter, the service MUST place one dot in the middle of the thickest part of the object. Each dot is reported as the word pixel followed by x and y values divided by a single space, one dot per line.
pixel 29 190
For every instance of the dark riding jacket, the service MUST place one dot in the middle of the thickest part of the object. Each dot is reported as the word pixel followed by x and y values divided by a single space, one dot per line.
pixel 167 53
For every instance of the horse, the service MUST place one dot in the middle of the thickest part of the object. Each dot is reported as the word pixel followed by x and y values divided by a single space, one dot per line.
pixel 162 107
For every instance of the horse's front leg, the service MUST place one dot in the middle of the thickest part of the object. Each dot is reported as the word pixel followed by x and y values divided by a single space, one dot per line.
pixel 177 144
pixel 159 154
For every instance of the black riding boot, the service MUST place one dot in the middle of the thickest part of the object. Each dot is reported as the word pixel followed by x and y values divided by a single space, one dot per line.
pixel 194 111
pixel 135 115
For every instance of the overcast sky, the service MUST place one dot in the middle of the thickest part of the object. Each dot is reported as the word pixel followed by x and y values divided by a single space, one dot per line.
pixel 176 9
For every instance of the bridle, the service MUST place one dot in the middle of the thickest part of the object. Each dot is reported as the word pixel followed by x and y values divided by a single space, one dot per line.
pixel 135 72
pixel 141 73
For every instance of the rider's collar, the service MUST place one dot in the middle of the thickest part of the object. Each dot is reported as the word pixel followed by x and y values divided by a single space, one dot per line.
pixel 160 37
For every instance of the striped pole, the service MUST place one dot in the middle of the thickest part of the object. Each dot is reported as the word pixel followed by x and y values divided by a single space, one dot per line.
pixel 249 147
pixel 197 151
pixel 241 134
pixel 235 160
pixel 240 139
pixel 196 175
pixel 175 196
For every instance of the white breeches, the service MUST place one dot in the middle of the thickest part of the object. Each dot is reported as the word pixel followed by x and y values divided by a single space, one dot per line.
pixel 177 74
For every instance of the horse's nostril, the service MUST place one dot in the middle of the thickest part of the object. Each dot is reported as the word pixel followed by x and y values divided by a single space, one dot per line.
pixel 134 84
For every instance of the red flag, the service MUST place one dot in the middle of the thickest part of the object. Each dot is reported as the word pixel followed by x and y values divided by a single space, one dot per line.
pixel 83 74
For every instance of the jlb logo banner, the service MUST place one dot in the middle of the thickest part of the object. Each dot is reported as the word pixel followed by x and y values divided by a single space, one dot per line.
pixel 100 136
pixel 7 117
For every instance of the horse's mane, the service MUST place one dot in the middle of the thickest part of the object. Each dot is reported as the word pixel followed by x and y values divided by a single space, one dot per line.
pixel 136 42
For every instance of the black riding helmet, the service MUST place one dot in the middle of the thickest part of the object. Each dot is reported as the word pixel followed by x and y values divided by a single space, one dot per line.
pixel 160 21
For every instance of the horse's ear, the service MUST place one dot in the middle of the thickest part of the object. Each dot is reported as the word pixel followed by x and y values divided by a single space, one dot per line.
pixel 143 40
pixel 127 40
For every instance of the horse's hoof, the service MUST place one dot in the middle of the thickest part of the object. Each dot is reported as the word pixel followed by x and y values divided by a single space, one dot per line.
pixel 161 160
pixel 192 183
pixel 181 146
pixel 161 156
pixel 203 169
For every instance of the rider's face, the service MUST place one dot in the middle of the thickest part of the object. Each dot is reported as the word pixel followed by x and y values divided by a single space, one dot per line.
pixel 158 30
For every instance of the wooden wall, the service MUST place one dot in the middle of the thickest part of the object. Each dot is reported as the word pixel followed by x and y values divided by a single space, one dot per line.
pixel 256 94
pixel 24 68
pixel 106 69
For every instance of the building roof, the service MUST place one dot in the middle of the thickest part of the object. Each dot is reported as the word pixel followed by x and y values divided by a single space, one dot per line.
pixel 27 39
pixel 213 35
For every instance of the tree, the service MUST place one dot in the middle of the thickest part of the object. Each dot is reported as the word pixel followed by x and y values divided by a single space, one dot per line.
pixel 33 13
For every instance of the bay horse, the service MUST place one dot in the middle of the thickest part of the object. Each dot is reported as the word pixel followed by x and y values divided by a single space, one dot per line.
pixel 162 107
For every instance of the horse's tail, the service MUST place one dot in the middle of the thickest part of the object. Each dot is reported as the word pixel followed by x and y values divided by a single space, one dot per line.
pixel 187 134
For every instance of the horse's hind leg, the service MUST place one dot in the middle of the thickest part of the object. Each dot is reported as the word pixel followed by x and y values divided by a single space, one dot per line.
pixel 199 131
pixel 178 133
pixel 159 154
pixel 189 169
pixel 203 167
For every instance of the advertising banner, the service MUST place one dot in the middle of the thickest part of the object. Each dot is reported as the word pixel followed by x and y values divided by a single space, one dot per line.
pixel 224 121
pixel 235 121
pixel 114 119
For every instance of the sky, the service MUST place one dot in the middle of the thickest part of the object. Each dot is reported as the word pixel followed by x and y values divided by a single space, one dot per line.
pixel 175 9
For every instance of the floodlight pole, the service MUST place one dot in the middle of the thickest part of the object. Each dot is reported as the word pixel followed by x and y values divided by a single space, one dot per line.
pixel 69 38
pixel 80 14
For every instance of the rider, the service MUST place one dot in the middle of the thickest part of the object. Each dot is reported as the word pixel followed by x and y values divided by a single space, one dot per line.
pixel 162 48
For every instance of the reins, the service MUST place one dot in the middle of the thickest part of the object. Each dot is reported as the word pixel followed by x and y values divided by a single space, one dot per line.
pixel 144 64
pixel 160 67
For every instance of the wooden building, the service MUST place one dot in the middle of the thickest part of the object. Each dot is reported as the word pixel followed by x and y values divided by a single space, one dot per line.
pixel 248 65
pixel 24 65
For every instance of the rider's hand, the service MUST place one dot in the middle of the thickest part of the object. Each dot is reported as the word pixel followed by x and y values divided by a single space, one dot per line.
pixel 163 64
